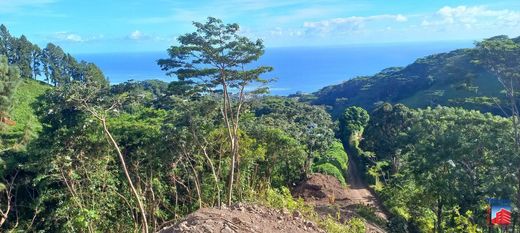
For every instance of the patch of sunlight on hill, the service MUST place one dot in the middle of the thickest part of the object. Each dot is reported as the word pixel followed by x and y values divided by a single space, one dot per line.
pixel 23 113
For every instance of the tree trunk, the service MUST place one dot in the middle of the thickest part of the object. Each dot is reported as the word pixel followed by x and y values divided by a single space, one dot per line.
pixel 215 177
pixel 438 224
pixel 129 179
pixel 231 179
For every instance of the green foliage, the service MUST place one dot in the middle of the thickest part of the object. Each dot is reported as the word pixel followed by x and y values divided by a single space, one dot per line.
pixel 464 223
pixel 25 97
pixel 220 55
pixel 330 169
pixel 354 225
pixel 354 119
pixel 335 156
pixel 368 213
pixel 9 80
pixel 282 199
pixel 310 125
pixel 440 79
pixel 432 167
pixel 441 159
pixel 284 155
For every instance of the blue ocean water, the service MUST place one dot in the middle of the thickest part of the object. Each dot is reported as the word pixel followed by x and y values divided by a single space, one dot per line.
pixel 305 69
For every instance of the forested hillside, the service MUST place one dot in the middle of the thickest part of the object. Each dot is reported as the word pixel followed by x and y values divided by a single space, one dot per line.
pixel 434 168
pixel 456 79
pixel 81 155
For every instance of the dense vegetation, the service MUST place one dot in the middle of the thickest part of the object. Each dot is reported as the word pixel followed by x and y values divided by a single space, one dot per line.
pixel 435 167
pixel 85 156
pixel 80 155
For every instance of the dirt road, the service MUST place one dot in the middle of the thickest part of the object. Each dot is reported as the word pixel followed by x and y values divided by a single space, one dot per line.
pixel 358 191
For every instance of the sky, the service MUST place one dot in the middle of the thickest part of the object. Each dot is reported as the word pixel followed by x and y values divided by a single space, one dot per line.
pixel 97 26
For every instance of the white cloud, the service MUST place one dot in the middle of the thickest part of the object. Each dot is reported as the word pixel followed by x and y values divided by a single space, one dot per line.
pixel 73 37
pixel 350 24
pixel 136 35
pixel 401 18
pixel 472 17
pixel 66 36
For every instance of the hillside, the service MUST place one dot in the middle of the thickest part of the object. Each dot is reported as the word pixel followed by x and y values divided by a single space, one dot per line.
pixel 449 79
pixel 23 111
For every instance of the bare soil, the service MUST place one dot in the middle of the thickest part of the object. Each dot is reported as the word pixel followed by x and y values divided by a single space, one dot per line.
pixel 324 192
pixel 358 191
pixel 243 218
pixel 320 188
pixel 329 197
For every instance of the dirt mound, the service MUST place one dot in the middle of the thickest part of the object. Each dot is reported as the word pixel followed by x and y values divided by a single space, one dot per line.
pixel 320 188
pixel 243 218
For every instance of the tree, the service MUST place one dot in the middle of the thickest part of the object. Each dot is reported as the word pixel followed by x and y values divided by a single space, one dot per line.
pixel 310 125
pixel 89 95
pixel 22 56
pixel 6 40
pixel 355 119
pixel 501 56
pixel 217 58
pixel 450 159
pixel 386 133
pixel 352 123
pixel 36 61
pixel 54 65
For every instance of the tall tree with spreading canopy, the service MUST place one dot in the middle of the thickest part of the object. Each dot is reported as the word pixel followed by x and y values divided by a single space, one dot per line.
pixel 218 59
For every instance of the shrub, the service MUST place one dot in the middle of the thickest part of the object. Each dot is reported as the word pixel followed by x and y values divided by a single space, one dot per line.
pixel 354 225
pixel 369 213
pixel 335 156
pixel 329 169
pixel 282 199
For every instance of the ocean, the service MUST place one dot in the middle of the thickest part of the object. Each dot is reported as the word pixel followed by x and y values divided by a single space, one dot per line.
pixel 304 69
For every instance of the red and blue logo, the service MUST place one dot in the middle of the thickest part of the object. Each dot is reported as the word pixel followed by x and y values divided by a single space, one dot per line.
pixel 499 212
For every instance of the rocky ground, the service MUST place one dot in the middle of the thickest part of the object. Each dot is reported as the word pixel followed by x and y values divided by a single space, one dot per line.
pixel 324 192
pixel 243 218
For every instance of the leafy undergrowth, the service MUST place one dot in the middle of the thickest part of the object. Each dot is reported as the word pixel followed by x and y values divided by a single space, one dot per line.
pixel 369 214
pixel 333 162
pixel 282 199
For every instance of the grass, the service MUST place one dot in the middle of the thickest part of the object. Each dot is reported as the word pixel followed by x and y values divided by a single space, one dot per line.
pixel 23 112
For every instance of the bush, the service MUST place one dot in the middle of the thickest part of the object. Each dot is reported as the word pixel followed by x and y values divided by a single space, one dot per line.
pixel 282 199
pixel 329 169
pixel 369 213
pixel 335 156
pixel 354 225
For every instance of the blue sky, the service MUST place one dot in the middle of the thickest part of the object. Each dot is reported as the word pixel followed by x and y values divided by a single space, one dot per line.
pixel 95 26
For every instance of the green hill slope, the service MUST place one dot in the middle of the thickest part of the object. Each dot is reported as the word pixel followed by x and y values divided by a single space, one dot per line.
pixel 23 112
pixel 450 79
